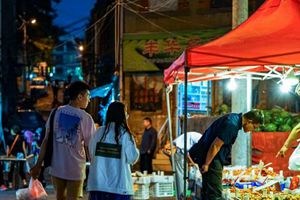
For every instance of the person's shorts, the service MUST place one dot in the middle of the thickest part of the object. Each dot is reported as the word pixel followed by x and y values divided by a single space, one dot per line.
pixel 68 188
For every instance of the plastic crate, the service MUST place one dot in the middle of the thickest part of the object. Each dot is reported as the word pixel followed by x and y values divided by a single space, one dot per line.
pixel 141 191
pixel 142 180
pixel 162 190
pixel 162 179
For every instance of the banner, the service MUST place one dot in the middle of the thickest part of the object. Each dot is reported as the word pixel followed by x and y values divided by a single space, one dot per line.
pixel 156 51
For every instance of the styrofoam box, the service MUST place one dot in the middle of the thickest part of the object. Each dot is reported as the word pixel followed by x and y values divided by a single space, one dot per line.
pixel 141 191
pixel 162 179
pixel 162 189
pixel 142 180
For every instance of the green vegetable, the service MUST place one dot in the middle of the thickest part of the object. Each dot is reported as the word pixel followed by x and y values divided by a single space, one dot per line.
pixel 284 128
pixel 296 119
pixel 289 121
pixel 258 129
pixel 278 121
pixel 285 114
pixel 267 116
pixel 270 127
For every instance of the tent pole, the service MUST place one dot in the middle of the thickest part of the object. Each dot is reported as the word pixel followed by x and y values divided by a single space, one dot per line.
pixel 186 70
pixel 169 90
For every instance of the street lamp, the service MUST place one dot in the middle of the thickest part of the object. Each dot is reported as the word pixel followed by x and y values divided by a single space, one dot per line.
pixel 33 21
pixel 25 58
pixel 81 48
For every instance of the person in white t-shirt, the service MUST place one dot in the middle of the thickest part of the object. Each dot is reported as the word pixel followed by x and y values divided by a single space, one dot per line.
pixel 192 138
pixel 112 151
pixel 72 130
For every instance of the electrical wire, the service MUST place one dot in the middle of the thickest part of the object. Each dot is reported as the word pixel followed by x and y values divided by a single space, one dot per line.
pixel 165 15
pixel 86 29
pixel 99 32
pixel 153 24
pixel 161 6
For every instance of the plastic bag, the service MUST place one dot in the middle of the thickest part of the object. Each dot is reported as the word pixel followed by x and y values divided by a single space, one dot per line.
pixel 35 191
pixel 294 161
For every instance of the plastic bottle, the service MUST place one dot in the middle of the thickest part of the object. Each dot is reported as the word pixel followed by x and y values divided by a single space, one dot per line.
pixel 227 194
pixel 280 179
pixel 287 183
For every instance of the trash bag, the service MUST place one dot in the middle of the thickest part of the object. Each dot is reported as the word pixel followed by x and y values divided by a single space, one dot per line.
pixel 35 191
pixel 294 161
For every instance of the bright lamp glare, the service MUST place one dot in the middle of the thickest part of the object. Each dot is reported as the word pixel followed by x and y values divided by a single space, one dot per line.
pixel 284 88
pixel 81 48
pixel 51 74
pixel 232 84
pixel 33 21
pixel 290 79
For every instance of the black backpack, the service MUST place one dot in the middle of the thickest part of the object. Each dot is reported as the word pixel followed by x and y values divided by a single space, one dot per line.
pixel 49 149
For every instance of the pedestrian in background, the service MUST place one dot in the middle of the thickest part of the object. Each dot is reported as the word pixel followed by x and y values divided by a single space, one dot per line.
pixel 112 151
pixel 17 148
pixel 148 146
pixel 192 138
pixel 72 130
pixel 55 88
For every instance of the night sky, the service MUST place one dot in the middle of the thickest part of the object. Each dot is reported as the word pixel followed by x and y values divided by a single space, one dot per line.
pixel 70 11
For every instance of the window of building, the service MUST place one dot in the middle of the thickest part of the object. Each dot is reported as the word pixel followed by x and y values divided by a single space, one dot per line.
pixel 146 93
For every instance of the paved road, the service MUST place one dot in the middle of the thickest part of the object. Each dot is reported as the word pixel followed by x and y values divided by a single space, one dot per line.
pixel 11 195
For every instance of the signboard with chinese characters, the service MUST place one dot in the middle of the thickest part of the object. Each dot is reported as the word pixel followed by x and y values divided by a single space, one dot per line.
pixel 156 51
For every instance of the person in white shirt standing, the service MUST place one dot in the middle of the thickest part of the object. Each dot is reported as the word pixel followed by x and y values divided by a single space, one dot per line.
pixel 192 138
pixel 72 130
pixel 112 151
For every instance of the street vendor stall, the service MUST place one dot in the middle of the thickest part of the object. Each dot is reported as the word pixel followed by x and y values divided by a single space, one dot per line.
pixel 265 46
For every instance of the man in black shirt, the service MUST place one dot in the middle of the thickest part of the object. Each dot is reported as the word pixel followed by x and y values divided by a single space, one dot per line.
pixel 213 150
pixel 148 146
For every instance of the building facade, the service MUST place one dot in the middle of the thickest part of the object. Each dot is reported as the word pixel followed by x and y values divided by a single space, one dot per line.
pixel 155 34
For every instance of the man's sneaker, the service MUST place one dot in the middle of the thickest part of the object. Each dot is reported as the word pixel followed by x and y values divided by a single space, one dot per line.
pixel 3 188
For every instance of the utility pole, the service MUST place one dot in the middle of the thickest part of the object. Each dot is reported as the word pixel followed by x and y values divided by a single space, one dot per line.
pixel 2 140
pixel 25 55
pixel 239 12
pixel 241 97
pixel 119 34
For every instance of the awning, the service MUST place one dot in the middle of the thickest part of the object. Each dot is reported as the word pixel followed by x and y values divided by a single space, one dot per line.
pixel 268 40
pixel 102 91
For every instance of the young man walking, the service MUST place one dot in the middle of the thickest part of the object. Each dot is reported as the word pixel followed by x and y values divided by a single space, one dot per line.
pixel 72 131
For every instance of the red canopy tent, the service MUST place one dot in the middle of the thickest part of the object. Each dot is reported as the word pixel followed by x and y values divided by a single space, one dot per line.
pixel 264 45
pixel 270 37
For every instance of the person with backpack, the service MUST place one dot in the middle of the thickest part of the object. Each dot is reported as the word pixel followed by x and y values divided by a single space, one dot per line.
pixel 213 150
pixel 112 151
pixel 69 130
